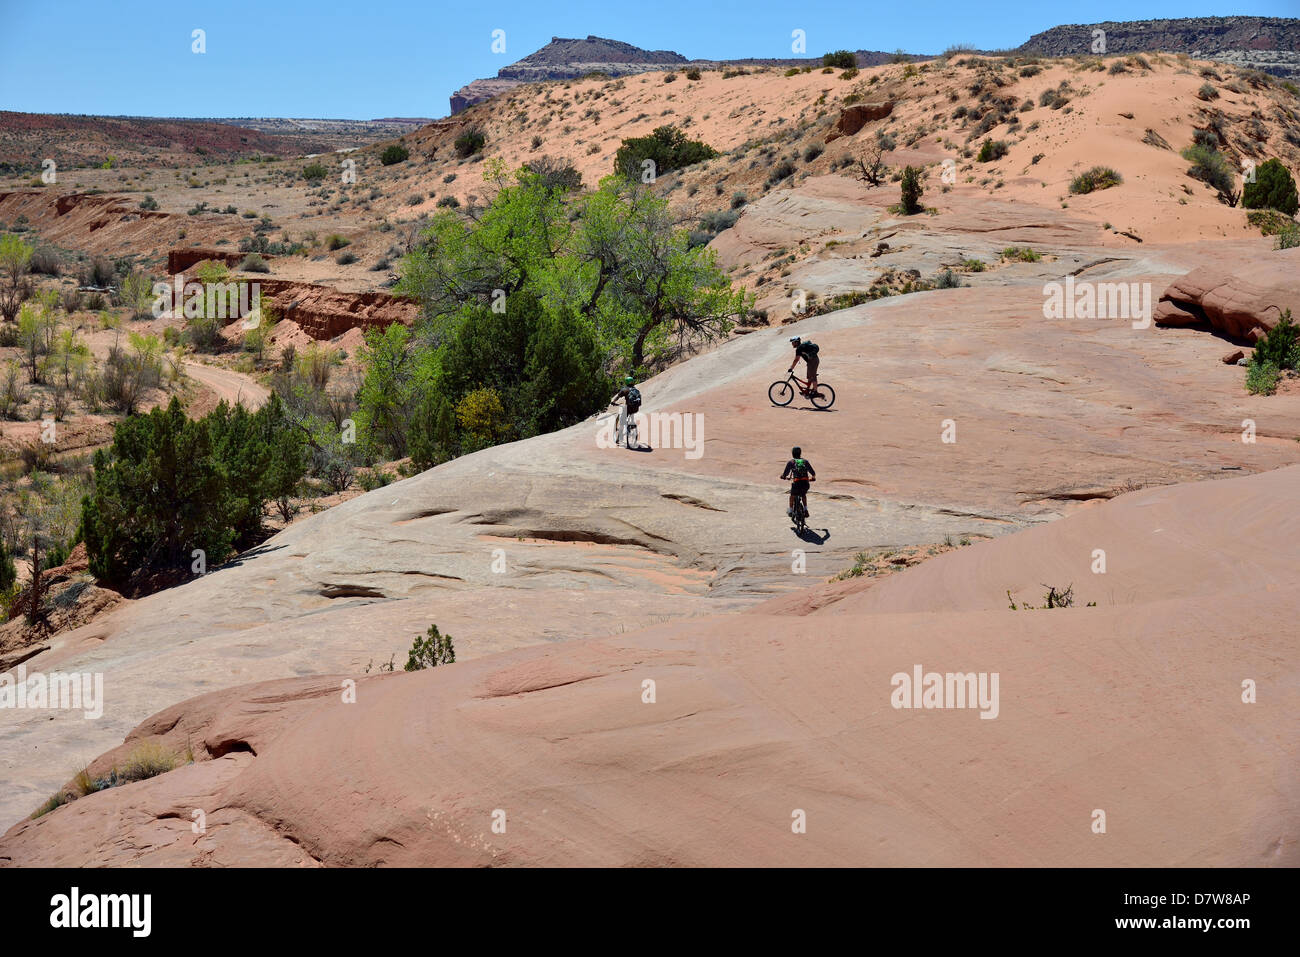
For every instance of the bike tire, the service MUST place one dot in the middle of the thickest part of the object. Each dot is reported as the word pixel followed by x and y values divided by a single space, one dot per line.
pixel 824 398
pixel 781 392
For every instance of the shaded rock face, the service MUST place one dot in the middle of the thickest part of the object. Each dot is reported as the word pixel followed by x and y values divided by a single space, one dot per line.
pixel 857 116
pixel 1242 301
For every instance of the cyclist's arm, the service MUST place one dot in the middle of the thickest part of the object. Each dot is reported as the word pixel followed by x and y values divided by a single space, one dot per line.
pixel 812 472
pixel 789 467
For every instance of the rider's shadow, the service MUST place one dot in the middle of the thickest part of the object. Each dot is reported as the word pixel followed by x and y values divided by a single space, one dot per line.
pixel 810 536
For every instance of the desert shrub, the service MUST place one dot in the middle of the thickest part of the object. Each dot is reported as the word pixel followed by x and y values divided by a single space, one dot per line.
pixel 692 74
pixel 346 258
pixel 715 222
pixel 46 262
pixel 449 202
pixel 1262 377
pixel 334 241
pixel 1281 345
pixel 738 199
pixel 1288 238
pixel 670 77
pixel 147 759
pixel 1207 138
pixel 1210 166
pixel 470 142
pixel 991 150
pixel 947 280
pixel 1207 92
pixel 1118 67
pixel 911 190
pixel 431 649
pixel 849 74
pixel 254 263
pixel 1269 221
pixel 1099 177
pixel 556 174
pixel 781 171
pixel 149 203
pixel 667 147
pixel 1031 70
pixel 840 59
pixel 314 172
pixel 394 153
pixel 813 151
pixel 1274 188
pixel 1021 254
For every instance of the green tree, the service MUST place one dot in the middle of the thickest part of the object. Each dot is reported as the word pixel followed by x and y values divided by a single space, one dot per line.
pixel 911 190
pixel 841 59
pixel 157 497
pixel 667 147
pixel 1274 188
pixel 15 261
pixel 394 153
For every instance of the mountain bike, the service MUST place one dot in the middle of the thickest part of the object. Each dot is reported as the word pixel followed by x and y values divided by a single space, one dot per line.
pixel 782 392
pixel 800 513
pixel 625 429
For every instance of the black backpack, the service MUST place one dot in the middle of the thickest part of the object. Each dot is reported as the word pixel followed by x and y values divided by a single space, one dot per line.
pixel 633 398
pixel 800 470
pixel 809 349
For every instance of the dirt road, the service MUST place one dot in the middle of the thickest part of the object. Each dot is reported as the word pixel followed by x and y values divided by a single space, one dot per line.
pixel 228 385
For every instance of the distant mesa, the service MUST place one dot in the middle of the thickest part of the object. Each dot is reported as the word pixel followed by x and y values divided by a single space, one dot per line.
pixel 1271 44
pixel 566 59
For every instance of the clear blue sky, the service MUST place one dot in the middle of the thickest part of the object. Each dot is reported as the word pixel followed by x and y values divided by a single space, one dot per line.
pixel 363 60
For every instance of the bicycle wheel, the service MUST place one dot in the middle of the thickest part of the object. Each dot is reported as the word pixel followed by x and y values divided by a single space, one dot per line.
pixel 781 393
pixel 824 398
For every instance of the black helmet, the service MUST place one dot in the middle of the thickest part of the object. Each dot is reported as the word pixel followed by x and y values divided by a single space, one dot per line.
pixel 796 452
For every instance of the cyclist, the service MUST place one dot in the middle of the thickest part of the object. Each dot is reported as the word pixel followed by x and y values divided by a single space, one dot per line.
pixel 807 351
pixel 800 472
pixel 631 397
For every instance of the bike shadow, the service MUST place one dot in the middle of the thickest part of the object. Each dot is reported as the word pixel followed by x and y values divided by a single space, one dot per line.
pixel 810 536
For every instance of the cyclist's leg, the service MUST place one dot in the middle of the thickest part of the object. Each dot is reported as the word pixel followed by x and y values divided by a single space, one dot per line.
pixel 620 436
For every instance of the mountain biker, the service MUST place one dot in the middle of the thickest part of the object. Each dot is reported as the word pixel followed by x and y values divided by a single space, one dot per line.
pixel 807 351
pixel 631 397
pixel 800 472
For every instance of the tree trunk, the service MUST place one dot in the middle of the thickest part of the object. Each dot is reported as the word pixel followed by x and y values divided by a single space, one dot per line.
pixel 34 602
